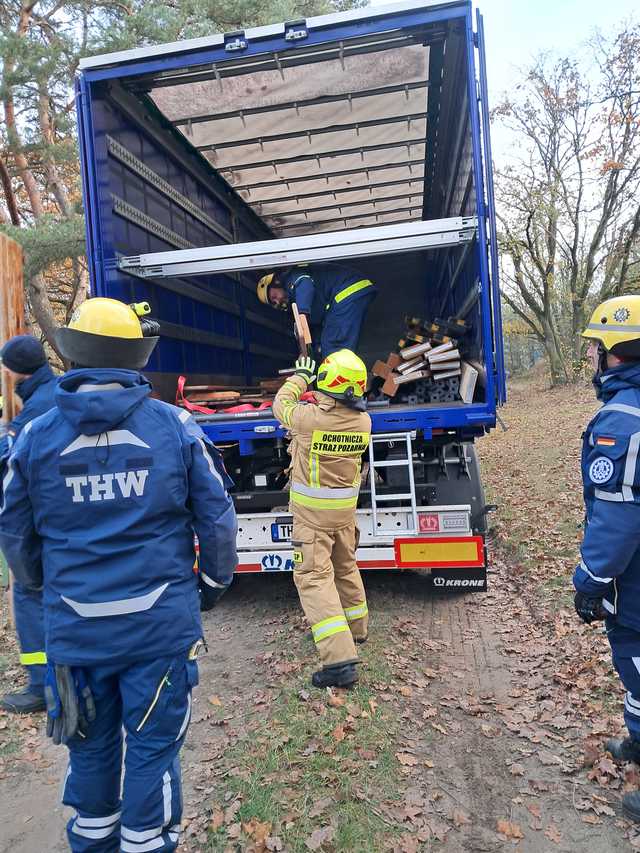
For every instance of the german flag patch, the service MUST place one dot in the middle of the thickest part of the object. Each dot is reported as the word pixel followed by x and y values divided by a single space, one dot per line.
pixel 605 441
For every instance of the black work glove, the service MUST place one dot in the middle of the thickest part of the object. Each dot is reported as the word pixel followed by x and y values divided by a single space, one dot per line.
pixel 305 366
pixel 588 608
pixel 70 704
pixel 210 595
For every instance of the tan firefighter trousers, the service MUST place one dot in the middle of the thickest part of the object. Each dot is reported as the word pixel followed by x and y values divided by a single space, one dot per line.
pixel 330 588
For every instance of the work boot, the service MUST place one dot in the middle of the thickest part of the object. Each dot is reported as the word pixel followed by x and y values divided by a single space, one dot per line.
pixel 631 806
pixel 360 640
pixel 23 702
pixel 337 675
pixel 624 750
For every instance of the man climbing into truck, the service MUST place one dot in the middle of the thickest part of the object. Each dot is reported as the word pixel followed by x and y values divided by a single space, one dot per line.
pixel 328 440
pixel 334 298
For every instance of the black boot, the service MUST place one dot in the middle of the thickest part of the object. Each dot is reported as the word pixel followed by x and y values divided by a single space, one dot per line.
pixel 631 806
pixel 23 702
pixel 624 750
pixel 338 675
pixel 360 640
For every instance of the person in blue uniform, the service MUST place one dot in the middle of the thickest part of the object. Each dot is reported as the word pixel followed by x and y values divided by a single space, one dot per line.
pixel 23 358
pixel 607 580
pixel 334 298
pixel 102 498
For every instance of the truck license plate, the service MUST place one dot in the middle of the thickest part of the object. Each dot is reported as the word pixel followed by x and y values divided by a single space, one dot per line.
pixel 281 532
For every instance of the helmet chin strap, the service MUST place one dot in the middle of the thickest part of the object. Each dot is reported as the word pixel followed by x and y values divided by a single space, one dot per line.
pixel 602 363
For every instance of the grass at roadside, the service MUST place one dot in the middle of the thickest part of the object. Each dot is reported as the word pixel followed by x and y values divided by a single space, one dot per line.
pixel 314 771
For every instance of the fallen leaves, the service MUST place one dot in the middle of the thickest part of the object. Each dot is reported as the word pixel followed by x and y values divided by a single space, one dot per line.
pixel 320 837
pixel 335 700
pixel 460 818
pixel 406 759
pixel 508 829
pixel 338 734
pixel 553 833
pixel 320 806
pixel 258 831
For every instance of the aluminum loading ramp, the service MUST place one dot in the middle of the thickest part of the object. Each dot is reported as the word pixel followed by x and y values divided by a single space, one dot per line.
pixel 328 246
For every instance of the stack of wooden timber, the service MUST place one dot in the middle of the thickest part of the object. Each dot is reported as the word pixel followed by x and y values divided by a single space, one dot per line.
pixel 428 366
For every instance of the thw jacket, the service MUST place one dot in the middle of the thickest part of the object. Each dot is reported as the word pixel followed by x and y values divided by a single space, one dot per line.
pixel 328 441
pixel 102 497
pixel 610 565
pixel 37 393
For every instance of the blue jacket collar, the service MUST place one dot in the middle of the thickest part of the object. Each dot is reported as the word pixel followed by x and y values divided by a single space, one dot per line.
pixel 620 378
pixel 28 386
pixel 94 400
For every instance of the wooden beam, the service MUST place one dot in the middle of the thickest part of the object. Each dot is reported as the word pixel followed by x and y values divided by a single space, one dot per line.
pixel 11 312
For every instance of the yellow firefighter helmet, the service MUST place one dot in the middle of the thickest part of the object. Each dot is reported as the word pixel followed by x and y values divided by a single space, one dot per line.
pixel 263 287
pixel 107 333
pixel 343 375
pixel 615 323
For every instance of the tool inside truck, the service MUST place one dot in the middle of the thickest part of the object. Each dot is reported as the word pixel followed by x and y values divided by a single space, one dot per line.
pixel 357 138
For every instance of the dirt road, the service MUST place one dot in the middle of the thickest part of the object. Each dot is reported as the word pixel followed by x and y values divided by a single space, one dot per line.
pixel 466 752
pixel 478 724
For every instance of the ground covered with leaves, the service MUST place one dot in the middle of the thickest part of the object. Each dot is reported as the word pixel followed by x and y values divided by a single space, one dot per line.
pixel 479 719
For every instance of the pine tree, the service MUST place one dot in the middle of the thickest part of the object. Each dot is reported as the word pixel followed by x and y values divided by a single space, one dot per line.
pixel 41 44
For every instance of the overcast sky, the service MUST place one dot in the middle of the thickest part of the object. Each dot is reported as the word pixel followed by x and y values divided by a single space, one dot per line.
pixel 518 30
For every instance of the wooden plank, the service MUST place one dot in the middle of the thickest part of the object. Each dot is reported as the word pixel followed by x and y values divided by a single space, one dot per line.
pixel 303 333
pixel 416 349
pixel 11 312
pixel 468 382
pixel 11 323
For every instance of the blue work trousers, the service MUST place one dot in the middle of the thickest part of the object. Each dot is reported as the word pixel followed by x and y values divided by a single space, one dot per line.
pixel 625 651
pixel 147 706
pixel 343 323
pixel 28 615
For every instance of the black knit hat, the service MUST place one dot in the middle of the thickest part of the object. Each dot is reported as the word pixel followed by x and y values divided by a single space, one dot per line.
pixel 23 354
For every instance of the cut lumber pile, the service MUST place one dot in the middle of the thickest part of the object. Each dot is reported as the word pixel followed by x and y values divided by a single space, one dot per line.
pixel 429 364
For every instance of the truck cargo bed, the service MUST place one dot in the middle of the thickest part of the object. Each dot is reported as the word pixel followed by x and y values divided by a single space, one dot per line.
pixel 355 137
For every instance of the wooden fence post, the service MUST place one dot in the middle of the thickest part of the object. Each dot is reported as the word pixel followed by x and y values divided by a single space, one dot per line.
pixel 11 323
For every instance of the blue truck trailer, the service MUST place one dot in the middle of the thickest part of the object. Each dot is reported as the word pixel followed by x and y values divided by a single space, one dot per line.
pixel 360 137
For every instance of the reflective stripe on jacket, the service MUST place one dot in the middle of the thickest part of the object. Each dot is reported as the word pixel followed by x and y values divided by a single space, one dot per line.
pixel 328 441
pixel 610 551
pixel 320 287
pixel 101 500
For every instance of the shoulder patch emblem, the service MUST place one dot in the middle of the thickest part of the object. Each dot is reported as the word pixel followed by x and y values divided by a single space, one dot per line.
pixel 601 470
pixel 622 315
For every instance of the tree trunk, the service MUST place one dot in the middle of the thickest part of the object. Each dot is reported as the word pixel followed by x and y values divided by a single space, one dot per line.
pixel 557 366
pixel 42 310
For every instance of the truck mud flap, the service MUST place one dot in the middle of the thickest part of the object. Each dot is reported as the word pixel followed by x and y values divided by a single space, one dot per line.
pixel 459 580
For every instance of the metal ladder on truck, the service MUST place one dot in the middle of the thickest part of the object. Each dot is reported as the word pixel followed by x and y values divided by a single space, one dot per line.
pixel 405 462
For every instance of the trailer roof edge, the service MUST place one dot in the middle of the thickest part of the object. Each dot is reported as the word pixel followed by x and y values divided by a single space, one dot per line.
pixel 217 39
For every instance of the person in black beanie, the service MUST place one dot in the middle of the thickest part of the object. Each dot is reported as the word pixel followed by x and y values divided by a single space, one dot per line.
pixel 24 359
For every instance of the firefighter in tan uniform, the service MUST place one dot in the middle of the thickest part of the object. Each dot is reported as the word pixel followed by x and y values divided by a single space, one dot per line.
pixel 328 441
